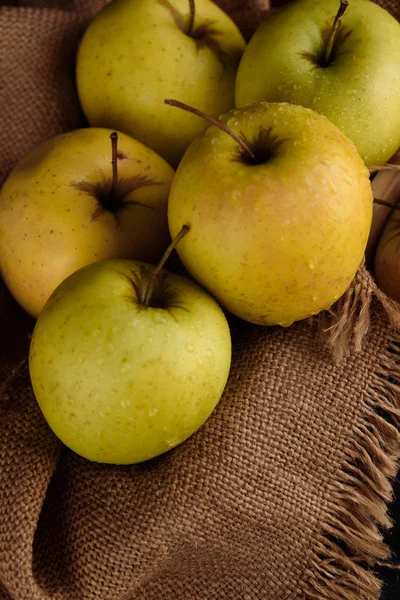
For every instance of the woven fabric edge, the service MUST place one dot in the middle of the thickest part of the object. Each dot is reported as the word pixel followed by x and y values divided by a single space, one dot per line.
pixel 350 545
pixel 346 325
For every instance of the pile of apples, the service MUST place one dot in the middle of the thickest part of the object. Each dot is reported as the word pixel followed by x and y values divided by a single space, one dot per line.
pixel 269 208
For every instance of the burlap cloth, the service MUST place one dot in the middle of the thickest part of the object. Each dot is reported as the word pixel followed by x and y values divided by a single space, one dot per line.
pixel 282 495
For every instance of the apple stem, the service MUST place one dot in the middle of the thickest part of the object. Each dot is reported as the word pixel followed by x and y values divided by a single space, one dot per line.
pixel 339 15
pixel 150 286
pixel 213 121
pixel 388 204
pixel 191 17
pixel 114 157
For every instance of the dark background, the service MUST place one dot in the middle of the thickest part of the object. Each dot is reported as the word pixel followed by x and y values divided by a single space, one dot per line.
pixel 391 577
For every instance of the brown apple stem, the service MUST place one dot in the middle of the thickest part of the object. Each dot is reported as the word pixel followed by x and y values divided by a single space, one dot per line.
pixel 339 15
pixel 191 17
pixel 114 154
pixel 388 204
pixel 152 281
pixel 213 121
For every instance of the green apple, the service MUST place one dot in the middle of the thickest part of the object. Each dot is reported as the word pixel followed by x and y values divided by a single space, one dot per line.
pixel 356 84
pixel 135 53
pixel 121 379
pixel 76 199
pixel 278 231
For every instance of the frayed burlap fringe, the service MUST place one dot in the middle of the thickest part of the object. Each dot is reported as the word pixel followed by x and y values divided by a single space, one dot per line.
pixel 345 326
pixel 351 544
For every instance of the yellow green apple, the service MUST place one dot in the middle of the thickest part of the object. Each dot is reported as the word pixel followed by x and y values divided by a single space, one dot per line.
pixel 354 81
pixel 278 231
pixel 120 375
pixel 136 53
pixel 77 198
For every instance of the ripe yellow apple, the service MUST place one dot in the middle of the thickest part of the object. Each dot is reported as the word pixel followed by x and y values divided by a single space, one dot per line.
pixel 277 236
pixel 60 210
pixel 136 53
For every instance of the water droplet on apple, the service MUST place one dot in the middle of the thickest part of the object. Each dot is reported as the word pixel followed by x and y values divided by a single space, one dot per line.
pixel 189 347
pixel 125 403
pixel 172 442
pixel 209 352
pixel 158 317
pixel 311 265
pixel 285 323
pixel 332 186
pixel 314 298
pixel 348 178
pixel 153 411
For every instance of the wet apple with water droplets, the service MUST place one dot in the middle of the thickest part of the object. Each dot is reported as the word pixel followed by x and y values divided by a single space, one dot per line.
pixel 121 379
pixel 279 230
pixel 352 77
